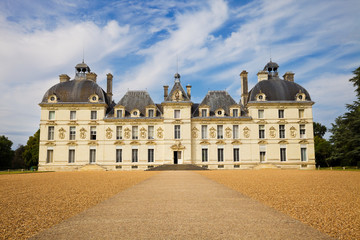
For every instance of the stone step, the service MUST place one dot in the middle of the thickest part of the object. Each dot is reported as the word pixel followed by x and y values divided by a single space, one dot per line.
pixel 265 166
pixel 176 167
pixel 92 167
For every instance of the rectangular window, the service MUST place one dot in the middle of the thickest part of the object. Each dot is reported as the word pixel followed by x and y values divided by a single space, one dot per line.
pixel 119 113
pixel 92 158
pixel 220 132
pixel 281 113
pixel 134 132
pixel 151 132
pixel 203 113
pixel 118 132
pixel 50 156
pixel 261 131
pixel 283 154
pixel 93 115
pixel 204 131
pixel 301 113
pixel 282 131
pixel 151 113
pixel 262 156
pixel 177 131
pixel 303 155
pixel 72 115
pixel 150 155
pixel 302 131
pixel 93 133
pixel 134 155
pixel 72 133
pixel 235 112
pixel 118 155
pixel 261 113
pixel 51 115
pixel 51 133
pixel 220 154
pixel 235 131
pixel 71 155
pixel 176 113
pixel 236 155
pixel 204 155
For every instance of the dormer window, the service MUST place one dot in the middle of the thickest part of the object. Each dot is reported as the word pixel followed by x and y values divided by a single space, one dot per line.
pixel 235 112
pixel 94 98
pixel 260 97
pixel 300 96
pixel 119 113
pixel 52 99
pixel 219 112
pixel 135 113
pixel 204 111
pixel 151 113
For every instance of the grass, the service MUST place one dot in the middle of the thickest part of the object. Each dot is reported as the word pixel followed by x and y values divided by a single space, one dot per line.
pixel 18 171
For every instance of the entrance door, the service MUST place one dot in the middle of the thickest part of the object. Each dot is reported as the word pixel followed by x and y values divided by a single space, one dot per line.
pixel 177 157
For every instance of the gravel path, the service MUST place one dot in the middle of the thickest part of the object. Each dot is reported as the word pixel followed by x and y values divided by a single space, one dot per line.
pixel 180 205
pixel 326 200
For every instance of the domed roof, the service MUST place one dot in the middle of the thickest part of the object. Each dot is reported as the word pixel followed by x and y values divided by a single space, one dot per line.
pixel 76 91
pixel 271 66
pixel 278 90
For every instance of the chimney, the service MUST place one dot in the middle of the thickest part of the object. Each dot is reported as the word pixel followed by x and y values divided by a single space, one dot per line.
pixel 91 76
pixel 166 88
pixel 188 90
pixel 244 87
pixel 109 78
pixel 289 76
pixel 262 75
pixel 64 78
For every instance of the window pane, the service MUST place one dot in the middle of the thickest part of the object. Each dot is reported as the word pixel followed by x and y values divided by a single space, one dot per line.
pixel 151 113
pixel 204 155
pixel 203 113
pixel 150 155
pixel 260 113
pixel 51 115
pixel 119 113
pixel 220 132
pixel 282 131
pixel 119 132
pixel 261 131
pixel 71 155
pixel 262 156
pixel 220 155
pixel 235 112
pixel 72 133
pixel 118 155
pixel 301 113
pixel 303 154
pixel 176 113
pixel 177 131
pixel 236 155
pixel 92 155
pixel 93 133
pixel 49 157
pixel 134 155
pixel 151 132
pixel 93 115
pixel 235 131
pixel 302 131
pixel 51 133
pixel 134 132
pixel 204 131
pixel 281 113
pixel 283 154
pixel 72 115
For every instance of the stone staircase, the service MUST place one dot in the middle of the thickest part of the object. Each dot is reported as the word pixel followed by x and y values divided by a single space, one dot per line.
pixel 92 167
pixel 265 166
pixel 176 167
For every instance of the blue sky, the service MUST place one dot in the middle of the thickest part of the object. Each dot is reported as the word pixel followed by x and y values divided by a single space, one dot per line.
pixel 139 42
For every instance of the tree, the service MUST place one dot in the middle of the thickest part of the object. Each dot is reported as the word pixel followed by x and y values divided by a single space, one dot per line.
pixel 346 131
pixel 6 154
pixel 18 160
pixel 319 129
pixel 31 152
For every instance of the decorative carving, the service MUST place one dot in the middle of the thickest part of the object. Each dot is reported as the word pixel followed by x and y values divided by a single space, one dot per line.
pixel 272 132
pixel 93 143
pixel 293 132
pixel 178 146
pixel 221 142
pixel 177 96
pixel 143 132
pixel 283 142
pixel 246 132
pixel 212 132
pixel 62 133
pixel 262 142
pixel 236 142
pixel 205 142
pixel 82 133
pixel 134 143
pixel 119 143
pixel 72 143
pixel 160 132
pixel 150 143
pixel 127 133
pixel 194 132
pixel 228 132
pixel 109 133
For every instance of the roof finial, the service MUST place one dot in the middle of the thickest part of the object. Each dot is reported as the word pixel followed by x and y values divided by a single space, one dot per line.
pixel 270 52
pixel 83 53
pixel 177 64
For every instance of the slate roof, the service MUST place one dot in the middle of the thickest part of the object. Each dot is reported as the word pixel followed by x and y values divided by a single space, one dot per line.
pixel 218 99
pixel 276 89
pixel 136 100
pixel 177 86
pixel 76 91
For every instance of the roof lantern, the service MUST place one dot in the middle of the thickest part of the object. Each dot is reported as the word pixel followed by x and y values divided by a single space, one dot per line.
pixel 80 70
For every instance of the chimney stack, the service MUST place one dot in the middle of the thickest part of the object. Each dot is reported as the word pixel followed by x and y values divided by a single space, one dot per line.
pixel 289 76
pixel 244 87
pixel 91 76
pixel 166 88
pixel 188 89
pixel 109 93
pixel 262 75
pixel 64 78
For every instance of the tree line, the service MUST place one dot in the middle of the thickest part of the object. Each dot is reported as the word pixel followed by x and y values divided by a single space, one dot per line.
pixel 343 146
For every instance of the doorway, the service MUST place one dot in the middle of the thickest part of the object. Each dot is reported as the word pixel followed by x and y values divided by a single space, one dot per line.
pixel 177 157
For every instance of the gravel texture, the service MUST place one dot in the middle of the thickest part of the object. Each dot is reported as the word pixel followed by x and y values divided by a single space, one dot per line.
pixel 327 200
pixel 31 203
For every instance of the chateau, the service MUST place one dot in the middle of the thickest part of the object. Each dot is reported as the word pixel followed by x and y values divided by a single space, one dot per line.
pixel 271 126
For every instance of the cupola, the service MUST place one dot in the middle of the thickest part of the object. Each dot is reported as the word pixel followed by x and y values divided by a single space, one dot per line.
pixel 81 70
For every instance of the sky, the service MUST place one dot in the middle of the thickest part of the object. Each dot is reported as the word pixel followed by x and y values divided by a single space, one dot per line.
pixel 144 43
